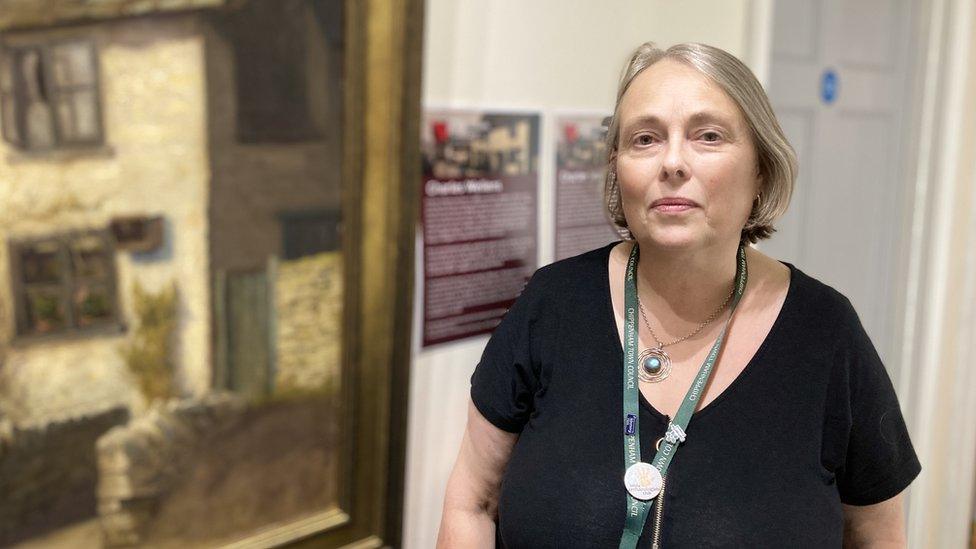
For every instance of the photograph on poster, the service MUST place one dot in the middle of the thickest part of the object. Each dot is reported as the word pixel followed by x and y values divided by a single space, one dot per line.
pixel 581 223
pixel 479 201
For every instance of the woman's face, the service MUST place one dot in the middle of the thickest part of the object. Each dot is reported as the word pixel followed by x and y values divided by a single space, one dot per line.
pixel 686 164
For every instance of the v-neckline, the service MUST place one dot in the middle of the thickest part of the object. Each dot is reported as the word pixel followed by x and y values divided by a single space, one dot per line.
pixel 614 332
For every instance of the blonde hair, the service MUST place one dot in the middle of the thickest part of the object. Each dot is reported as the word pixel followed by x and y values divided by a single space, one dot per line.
pixel 775 156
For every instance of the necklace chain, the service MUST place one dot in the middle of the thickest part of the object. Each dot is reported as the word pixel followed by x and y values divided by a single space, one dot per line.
pixel 692 334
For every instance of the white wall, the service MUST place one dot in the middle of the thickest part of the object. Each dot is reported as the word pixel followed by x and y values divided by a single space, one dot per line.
pixel 545 55
pixel 940 324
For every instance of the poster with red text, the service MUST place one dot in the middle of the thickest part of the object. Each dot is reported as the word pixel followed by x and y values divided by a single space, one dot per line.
pixel 580 218
pixel 479 222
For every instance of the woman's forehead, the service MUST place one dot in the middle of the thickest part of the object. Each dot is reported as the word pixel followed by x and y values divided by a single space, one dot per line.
pixel 668 88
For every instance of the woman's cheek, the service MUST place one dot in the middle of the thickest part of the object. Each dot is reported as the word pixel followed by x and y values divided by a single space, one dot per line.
pixel 631 205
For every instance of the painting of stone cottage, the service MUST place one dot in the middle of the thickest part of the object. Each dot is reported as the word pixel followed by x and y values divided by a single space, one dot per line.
pixel 171 275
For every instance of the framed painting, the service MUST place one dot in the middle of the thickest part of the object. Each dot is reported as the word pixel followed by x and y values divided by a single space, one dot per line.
pixel 207 271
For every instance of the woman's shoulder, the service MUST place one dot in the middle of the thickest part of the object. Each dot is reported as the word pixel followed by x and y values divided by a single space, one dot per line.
pixel 767 275
pixel 814 299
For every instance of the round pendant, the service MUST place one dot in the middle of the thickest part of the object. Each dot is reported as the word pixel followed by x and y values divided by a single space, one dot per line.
pixel 655 365
pixel 643 481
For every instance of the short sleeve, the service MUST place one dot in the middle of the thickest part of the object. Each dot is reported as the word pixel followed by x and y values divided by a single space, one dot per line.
pixel 866 442
pixel 508 375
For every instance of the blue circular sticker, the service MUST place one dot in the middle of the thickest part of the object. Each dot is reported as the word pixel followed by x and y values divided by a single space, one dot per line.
pixel 828 86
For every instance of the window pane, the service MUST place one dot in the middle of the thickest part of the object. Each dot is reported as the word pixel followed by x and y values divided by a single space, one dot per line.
pixel 92 303
pixel 61 70
pixel 45 311
pixel 272 74
pixel 6 73
pixel 41 263
pixel 91 259
pixel 310 234
pixel 8 118
pixel 29 70
pixel 40 130
pixel 66 119
pixel 77 118
pixel 74 64
pixel 86 121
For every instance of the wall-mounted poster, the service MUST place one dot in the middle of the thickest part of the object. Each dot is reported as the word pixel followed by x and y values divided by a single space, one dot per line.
pixel 581 224
pixel 479 202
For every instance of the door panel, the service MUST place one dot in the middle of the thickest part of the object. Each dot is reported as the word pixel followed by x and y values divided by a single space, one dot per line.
pixel 844 222
pixel 247 334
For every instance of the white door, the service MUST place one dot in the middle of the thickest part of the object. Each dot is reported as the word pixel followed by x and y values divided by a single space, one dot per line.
pixel 839 85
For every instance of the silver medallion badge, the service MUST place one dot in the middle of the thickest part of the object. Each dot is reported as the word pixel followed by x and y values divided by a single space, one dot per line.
pixel 643 481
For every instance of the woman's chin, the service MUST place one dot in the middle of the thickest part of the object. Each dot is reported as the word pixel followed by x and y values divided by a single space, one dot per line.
pixel 673 240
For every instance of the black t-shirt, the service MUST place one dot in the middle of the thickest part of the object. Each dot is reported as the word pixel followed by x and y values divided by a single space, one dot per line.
pixel 811 422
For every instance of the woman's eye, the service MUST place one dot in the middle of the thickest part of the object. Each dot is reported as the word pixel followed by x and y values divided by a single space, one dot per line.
pixel 711 137
pixel 644 139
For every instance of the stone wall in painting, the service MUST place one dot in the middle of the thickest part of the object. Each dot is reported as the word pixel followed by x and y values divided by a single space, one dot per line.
pixel 48 474
pixel 205 472
pixel 139 464
pixel 308 312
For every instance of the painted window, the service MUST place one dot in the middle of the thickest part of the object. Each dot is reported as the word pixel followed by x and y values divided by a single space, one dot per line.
pixel 309 233
pixel 281 50
pixel 64 283
pixel 49 95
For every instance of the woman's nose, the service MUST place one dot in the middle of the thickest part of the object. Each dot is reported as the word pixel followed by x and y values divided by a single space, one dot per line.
pixel 674 165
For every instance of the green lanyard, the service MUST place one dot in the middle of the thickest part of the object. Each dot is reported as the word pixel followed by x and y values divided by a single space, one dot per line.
pixel 637 509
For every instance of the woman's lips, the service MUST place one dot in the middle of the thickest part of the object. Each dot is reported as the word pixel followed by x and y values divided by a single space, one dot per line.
pixel 672 205
pixel 672 208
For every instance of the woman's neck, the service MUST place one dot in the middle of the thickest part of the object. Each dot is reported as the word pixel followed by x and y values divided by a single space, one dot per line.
pixel 682 287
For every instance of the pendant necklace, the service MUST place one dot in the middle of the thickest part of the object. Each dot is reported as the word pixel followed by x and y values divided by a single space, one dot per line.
pixel 655 363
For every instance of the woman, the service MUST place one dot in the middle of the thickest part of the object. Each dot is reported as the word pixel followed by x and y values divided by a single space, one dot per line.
pixel 762 413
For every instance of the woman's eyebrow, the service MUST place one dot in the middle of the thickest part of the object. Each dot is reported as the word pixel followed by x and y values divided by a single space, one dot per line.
pixel 696 118
pixel 642 121
pixel 710 116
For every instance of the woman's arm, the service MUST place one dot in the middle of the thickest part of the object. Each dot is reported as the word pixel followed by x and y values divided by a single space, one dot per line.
pixel 471 500
pixel 875 526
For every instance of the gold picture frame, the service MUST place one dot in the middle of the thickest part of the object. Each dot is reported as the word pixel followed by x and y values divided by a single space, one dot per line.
pixel 384 53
